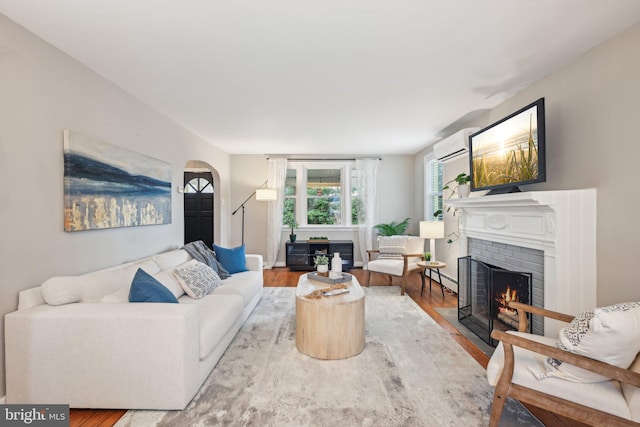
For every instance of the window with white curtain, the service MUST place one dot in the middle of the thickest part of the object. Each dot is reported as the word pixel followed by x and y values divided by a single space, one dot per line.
pixel 433 182
pixel 320 193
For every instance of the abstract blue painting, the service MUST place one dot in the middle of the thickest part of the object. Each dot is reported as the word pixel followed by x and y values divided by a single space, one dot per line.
pixel 106 186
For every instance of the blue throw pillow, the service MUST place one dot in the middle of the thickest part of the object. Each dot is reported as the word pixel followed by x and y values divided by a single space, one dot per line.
pixel 233 260
pixel 144 288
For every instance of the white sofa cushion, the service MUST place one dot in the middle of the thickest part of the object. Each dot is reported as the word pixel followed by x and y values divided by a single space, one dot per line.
pixel 117 297
pixel 90 287
pixel 216 315
pixel 148 265
pixel 171 259
pixel 605 396
pixel 246 284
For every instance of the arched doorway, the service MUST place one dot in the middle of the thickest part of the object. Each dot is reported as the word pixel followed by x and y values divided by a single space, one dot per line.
pixel 199 207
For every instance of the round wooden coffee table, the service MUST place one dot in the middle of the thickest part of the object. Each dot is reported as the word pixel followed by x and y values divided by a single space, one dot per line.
pixel 329 327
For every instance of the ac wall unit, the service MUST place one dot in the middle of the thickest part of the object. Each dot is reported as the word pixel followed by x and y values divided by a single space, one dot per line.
pixel 453 146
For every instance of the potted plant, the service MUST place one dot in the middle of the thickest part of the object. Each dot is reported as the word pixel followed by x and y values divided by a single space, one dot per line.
pixel 427 256
pixel 393 228
pixel 291 222
pixel 322 264
pixel 461 188
pixel 462 185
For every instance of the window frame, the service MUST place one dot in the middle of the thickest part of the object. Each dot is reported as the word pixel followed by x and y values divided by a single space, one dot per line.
pixel 302 168
pixel 429 208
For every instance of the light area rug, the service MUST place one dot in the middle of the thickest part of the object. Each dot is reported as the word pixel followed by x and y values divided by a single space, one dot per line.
pixel 411 373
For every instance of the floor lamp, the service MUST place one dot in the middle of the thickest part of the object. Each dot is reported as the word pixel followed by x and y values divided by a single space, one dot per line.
pixel 263 195
pixel 432 230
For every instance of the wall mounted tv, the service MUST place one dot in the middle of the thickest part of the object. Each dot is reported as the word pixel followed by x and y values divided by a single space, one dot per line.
pixel 510 152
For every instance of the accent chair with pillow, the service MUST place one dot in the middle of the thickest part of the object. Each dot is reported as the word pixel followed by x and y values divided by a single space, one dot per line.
pixel 589 373
pixel 396 256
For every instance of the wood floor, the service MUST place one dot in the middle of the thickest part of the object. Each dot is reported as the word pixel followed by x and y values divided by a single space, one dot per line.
pixel 428 302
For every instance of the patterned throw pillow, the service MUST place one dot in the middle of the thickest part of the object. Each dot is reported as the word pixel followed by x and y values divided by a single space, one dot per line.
pixel 197 279
pixel 608 334
pixel 392 247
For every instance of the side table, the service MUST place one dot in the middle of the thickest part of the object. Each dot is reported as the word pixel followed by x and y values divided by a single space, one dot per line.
pixel 431 265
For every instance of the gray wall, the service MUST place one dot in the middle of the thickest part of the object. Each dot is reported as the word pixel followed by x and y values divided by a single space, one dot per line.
pixel 43 91
pixel 592 113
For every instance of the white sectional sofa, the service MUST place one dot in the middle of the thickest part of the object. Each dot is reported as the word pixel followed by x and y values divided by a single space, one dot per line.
pixel 77 340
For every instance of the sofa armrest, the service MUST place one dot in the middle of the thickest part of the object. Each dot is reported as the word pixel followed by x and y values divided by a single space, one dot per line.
pixel 254 262
pixel 121 355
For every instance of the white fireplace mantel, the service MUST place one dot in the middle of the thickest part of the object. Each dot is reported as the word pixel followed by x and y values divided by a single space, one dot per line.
pixel 560 223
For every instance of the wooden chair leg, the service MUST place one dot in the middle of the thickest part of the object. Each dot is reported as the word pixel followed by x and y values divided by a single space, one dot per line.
pixel 368 277
pixel 502 388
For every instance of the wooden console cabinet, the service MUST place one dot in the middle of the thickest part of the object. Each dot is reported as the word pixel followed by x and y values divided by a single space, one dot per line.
pixel 300 254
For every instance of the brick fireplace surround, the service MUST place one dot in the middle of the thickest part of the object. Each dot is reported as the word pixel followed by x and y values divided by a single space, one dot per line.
pixel 561 224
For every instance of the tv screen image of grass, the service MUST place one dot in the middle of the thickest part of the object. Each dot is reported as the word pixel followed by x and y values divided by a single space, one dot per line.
pixel 107 186
pixel 508 152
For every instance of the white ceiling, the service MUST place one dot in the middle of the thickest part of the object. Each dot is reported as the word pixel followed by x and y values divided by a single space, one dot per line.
pixel 326 76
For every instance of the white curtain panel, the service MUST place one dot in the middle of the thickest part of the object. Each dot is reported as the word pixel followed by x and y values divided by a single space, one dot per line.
pixel 367 188
pixel 277 174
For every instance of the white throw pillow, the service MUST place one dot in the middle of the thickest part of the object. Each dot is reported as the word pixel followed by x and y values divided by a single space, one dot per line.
pixel 608 334
pixel 169 281
pixel 117 297
pixel 392 247
pixel 197 279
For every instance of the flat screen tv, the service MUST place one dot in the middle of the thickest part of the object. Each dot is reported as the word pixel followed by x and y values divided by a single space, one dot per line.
pixel 509 152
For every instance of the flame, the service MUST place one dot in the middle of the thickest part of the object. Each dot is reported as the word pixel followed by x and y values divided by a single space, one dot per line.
pixel 505 298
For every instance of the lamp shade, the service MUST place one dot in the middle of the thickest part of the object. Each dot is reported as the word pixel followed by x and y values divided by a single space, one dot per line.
pixel 265 194
pixel 432 229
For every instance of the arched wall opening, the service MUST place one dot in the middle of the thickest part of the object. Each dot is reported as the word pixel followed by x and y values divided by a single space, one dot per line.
pixel 196 167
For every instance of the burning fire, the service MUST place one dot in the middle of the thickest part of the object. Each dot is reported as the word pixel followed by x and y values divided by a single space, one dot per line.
pixel 506 297
pixel 505 313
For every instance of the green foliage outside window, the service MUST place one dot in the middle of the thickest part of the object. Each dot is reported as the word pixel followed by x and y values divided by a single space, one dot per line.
pixel 323 205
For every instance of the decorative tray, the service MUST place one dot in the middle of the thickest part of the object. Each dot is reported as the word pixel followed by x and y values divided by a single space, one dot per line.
pixel 346 277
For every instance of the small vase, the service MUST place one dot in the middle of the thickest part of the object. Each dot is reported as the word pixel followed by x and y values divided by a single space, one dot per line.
pixel 322 269
pixel 336 264
pixel 292 238
pixel 463 191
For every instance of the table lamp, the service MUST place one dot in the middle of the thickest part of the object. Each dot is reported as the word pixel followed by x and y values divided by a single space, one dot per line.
pixel 432 230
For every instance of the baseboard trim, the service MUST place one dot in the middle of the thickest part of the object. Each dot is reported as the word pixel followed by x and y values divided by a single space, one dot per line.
pixel 3 400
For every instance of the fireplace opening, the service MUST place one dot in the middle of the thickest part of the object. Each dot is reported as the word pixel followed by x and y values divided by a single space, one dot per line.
pixel 484 292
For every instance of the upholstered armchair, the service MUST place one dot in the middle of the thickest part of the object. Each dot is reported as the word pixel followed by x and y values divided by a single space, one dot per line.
pixel 590 373
pixel 396 256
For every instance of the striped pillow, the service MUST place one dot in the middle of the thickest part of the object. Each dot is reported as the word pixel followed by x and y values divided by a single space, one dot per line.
pixel 392 247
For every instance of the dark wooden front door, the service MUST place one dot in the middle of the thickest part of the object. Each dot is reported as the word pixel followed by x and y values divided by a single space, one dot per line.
pixel 198 207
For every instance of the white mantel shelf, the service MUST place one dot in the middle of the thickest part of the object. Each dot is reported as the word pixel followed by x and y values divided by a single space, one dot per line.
pixel 532 199
pixel 560 223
